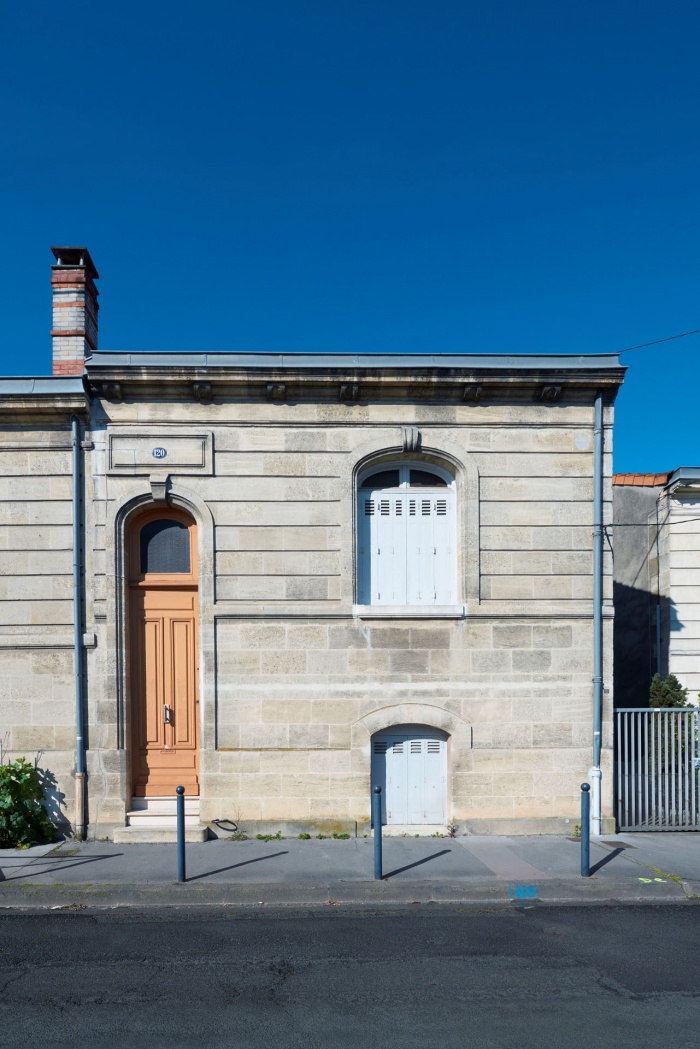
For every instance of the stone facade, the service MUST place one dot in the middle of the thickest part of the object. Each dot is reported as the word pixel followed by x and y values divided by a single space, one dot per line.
pixel 294 678
pixel 657 582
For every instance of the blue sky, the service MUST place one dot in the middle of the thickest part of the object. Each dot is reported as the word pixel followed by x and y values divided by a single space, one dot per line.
pixel 368 176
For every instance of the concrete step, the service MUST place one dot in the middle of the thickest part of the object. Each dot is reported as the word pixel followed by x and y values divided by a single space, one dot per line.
pixel 153 835
pixel 164 805
pixel 414 830
pixel 146 818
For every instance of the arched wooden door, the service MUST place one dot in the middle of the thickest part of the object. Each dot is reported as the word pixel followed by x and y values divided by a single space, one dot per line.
pixel 164 654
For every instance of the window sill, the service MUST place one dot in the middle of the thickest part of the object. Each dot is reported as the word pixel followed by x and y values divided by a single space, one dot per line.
pixel 409 611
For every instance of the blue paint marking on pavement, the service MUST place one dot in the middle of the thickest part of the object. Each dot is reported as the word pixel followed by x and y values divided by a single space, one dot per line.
pixel 523 892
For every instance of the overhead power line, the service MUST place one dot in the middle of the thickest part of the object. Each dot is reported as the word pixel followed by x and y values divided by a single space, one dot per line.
pixel 656 342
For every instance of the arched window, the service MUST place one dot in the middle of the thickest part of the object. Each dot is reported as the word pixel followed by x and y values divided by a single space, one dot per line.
pixel 406 536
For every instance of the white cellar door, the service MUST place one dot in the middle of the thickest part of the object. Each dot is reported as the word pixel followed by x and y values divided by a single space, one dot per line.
pixel 411 768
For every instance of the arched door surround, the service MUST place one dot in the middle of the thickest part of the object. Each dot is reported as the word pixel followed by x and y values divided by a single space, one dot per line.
pixel 163 653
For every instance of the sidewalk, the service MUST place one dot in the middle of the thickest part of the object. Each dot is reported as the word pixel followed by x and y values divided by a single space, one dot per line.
pixel 633 868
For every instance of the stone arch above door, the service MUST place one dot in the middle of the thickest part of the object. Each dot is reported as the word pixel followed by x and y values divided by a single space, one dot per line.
pixel 414 714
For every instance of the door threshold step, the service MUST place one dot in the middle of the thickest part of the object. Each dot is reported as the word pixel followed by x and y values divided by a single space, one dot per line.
pixel 413 830
pixel 157 835
pixel 158 819
pixel 164 805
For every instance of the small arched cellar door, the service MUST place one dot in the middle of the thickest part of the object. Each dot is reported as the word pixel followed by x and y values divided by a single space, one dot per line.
pixel 163 654
pixel 409 763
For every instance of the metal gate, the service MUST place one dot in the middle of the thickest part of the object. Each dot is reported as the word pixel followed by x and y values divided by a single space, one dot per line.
pixel 658 769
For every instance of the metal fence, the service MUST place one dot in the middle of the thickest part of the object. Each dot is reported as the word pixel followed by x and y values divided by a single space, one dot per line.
pixel 657 769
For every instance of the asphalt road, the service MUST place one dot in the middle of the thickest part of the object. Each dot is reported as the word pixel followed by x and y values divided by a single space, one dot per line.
pixel 532 978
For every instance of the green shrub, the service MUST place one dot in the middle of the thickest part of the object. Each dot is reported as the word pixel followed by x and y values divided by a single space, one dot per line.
pixel 304 837
pixel 667 692
pixel 23 818
pixel 341 837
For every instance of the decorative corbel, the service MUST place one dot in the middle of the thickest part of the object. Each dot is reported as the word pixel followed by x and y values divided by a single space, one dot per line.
pixel 202 391
pixel 472 391
pixel 349 391
pixel 276 391
pixel 411 438
pixel 159 487
pixel 550 393
pixel 112 391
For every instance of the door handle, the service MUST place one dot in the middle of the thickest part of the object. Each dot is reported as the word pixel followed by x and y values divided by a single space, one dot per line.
pixel 167 714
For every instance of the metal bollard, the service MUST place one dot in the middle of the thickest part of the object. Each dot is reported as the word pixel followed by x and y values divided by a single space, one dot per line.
pixel 377 821
pixel 180 791
pixel 585 830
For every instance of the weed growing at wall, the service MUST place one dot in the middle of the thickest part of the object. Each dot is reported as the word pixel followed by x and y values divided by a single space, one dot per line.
pixel 23 819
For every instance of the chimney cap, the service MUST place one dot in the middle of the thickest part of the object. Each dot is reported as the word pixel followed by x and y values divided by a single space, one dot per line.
pixel 75 257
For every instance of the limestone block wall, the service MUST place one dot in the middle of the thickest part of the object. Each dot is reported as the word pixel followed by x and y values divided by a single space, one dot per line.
pixel 37 697
pixel 679 548
pixel 292 699
pixel 291 679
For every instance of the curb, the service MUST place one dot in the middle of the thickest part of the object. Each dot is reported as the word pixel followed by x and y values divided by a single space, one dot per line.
pixel 335 893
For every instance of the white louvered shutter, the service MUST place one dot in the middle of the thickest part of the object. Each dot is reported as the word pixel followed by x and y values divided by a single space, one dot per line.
pixel 415 781
pixel 397 781
pixel 445 569
pixel 382 567
pixel 430 571
pixel 366 512
pixel 435 781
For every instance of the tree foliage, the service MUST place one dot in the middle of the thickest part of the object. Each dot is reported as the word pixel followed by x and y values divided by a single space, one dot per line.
pixel 23 818
pixel 667 692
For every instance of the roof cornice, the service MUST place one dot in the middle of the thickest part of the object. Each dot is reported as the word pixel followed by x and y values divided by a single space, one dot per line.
pixel 41 395
pixel 449 377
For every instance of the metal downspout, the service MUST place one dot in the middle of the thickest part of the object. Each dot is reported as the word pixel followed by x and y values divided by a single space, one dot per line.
pixel 595 771
pixel 80 828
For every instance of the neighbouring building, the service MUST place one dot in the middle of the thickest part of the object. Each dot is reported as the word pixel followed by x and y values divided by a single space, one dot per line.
pixel 300 575
pixel 656 522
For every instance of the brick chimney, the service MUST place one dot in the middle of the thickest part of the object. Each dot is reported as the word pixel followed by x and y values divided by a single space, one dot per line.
pixel 74 332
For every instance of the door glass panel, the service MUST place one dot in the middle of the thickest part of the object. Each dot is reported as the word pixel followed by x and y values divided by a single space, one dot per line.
pixel 165 548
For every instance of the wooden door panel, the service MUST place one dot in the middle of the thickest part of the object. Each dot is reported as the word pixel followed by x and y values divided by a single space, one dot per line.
pixel 152 662
pixel 168 600
pixel 164 647
pixel 183 682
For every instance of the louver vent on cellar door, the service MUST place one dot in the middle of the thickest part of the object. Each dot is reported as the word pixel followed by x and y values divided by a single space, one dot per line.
pixel 380 746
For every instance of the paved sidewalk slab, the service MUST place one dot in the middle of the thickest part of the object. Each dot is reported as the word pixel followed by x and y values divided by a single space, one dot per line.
pixel 522 871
